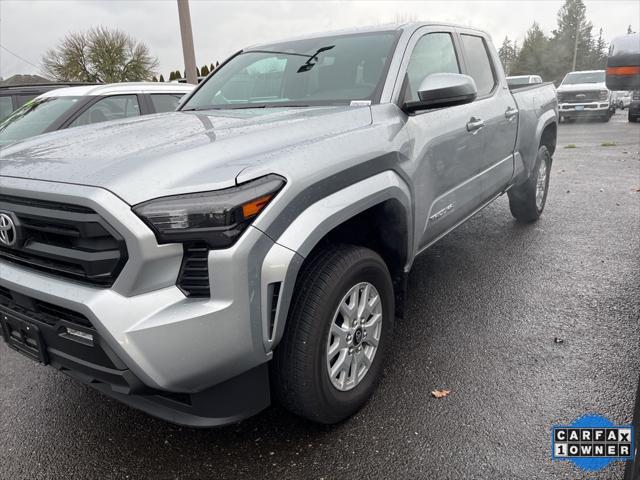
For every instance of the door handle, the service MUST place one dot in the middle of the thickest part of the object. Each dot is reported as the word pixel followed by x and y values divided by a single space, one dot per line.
pixel 511 113
pixel 474 124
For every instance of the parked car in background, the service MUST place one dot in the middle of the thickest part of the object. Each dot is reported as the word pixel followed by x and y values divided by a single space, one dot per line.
pixel 184 80
pixel 523 80
pixel 258 241
pixel 585 95
pixel 622 99
pixel 76 106
pixel 634 107
pixel 13 97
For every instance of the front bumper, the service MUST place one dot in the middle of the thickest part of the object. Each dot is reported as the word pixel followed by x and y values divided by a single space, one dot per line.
pixel 593 109
pixel 165 345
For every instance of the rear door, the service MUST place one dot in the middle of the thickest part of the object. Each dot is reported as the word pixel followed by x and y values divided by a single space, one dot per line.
pixel 495 110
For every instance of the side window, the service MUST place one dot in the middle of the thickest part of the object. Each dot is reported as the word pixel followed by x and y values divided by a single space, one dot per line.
pixel 22 99
pixel 109 108
pixel 6 107
pixel 480 67
pixel 164 102
pixel 434 53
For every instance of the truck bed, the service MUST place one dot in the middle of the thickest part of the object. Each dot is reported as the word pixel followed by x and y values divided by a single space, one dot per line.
pixel 537 107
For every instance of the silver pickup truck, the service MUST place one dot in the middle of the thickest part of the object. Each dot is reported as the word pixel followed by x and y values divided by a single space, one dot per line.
pixel 256 243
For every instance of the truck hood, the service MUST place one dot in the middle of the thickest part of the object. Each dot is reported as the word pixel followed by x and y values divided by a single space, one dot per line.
pixel 171 153
pixel 582 87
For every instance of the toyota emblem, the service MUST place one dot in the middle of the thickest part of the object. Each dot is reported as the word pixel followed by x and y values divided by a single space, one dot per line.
pixel 8 233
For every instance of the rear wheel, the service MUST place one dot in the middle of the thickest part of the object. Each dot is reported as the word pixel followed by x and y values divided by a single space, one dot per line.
pixel 339 328
pixel 527 200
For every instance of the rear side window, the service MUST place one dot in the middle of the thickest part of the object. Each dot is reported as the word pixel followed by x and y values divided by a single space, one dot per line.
pixel 22 99
pixel 6 107
pixel 165 102
pixel 434 53
pixel 109 108
pixel 479 64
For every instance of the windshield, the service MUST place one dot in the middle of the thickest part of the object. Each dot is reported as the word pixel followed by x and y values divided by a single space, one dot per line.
pixel 318 71
pixel 583 77
pixel 33 118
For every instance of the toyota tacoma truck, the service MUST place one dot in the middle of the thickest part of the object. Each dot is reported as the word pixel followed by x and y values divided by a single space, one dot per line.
pixel 256 243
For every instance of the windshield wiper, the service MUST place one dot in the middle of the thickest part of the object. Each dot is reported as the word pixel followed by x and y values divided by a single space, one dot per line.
pixel 198 109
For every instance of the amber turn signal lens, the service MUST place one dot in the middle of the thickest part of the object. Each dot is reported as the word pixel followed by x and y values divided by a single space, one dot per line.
pixel 623 70
pixel 254 206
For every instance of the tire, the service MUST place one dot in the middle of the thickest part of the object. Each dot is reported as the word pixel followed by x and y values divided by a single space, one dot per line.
pixel 632 118
pixel 301 380
pixel 523 198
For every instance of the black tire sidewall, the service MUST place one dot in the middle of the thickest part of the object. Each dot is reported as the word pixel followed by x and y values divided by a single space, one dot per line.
pixel 340 403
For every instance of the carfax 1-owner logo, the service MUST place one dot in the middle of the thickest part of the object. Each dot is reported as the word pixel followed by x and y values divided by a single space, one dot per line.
pixel 592 442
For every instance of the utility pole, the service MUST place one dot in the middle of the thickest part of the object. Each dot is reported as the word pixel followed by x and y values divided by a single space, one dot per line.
pixel 187 42
pixel 575 48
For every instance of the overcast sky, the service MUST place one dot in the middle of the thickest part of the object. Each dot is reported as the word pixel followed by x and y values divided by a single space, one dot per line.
pixel 29 27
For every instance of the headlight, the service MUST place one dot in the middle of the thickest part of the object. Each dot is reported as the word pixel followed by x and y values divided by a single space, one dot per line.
pixel 217 218
pixel 604 94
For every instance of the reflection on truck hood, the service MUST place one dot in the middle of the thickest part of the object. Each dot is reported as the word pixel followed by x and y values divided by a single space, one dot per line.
pixel 172 153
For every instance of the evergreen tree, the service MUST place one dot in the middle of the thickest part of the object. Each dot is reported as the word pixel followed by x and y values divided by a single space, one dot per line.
pixel 217 64
pixel 161 78
pixel 177 75
pixel 197 72
pixel 204 71
pixel 211 68
pixel 154 79
pixel 629 31
pixel 533 57
pixel 572 42
pixel 172 76
pixel 508 55
pixel 600 53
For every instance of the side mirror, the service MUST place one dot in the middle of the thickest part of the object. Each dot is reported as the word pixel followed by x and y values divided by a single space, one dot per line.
pixel 440 90
pixel 623 63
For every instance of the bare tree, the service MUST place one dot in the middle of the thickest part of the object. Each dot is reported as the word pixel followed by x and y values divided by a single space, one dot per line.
pixel 99 55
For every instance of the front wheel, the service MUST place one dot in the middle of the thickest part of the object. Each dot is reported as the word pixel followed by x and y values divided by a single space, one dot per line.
pixel 527 200
pixel 339 327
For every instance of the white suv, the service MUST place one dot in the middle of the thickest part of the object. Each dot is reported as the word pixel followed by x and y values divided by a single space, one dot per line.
pixel 75 106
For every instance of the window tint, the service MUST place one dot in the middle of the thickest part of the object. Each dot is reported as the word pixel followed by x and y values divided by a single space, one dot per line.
pixel 109 108
pixel 165 102
pixel 479 64
pixel 434 53
pixel 6 107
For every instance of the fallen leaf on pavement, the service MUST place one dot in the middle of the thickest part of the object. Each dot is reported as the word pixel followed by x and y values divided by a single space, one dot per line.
pixel 440 393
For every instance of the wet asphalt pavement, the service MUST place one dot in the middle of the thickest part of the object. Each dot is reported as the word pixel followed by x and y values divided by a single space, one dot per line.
pixel 485 307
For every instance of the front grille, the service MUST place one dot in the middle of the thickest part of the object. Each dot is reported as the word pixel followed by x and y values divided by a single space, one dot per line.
pixel 194 273
pixel 39 310
pixel 579 97
pixel 63 239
